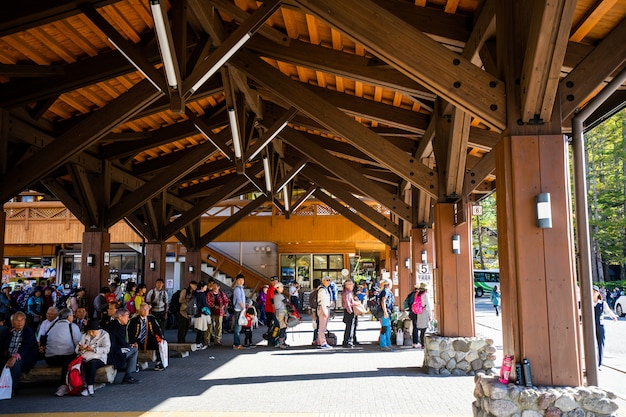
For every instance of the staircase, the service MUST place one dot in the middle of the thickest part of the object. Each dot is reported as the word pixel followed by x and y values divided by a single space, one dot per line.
pixel 222 263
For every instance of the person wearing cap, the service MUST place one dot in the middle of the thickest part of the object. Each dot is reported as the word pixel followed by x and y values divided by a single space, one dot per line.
pixel 349 316
pixel 94 347
pixel 280 307
pixel 5 301
pixel 270 313
pixel 323 312
pixel 600 309
pixel 386 302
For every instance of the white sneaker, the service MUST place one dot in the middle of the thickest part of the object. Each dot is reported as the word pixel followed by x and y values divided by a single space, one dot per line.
pixel 201 346
pixel 90 389
pixel 84 393
pixel 61 391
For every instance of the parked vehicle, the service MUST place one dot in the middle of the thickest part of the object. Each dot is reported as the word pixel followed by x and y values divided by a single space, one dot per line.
pixel 620 306
pixel 485 280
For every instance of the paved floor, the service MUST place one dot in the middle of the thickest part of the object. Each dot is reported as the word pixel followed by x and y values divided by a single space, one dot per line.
pixel 302 381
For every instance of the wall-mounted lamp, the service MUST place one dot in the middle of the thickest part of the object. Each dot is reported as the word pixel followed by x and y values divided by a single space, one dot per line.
pixel 191 268
pixel 268 249
pixel 91 259
pixel 106 258
pixel 424 257
pixel 407 263
pixel 544 211
pixel 152 265
pixel 456 244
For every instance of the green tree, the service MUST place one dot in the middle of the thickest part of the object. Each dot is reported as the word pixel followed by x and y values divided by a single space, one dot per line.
pixel 485 235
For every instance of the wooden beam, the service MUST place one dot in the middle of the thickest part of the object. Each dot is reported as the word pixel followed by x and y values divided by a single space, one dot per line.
pixel 160 182
pixel 591 18
pixel 327 115
pixel 346 173
pixel 204 204
pixel 233 219
pixel 545 51
pixel 77 139
pixel 457 152
pixel 591 72
pixel 59 191
pixel 334 188
pixel 348 214
pixel 480 171
pixel 415 54
pixel 85 193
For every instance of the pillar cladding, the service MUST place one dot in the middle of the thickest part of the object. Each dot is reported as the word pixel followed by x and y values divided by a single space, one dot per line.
pixel 406 276
pixel 93 277
pixel 154 263
pixel 454 284
pixel 539 306
pixel 193 263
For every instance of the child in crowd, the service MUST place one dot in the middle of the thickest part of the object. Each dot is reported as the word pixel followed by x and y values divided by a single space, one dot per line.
pixel 247 329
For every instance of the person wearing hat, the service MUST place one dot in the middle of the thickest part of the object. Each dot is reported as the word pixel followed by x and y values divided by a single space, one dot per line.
pixel 323 312
pixel 270 313
pixel 600 309
pixel 280 307
pixel 94 347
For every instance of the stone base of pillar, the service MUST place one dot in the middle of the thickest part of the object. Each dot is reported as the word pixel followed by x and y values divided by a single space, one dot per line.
pixel 494 398
pixel 458 356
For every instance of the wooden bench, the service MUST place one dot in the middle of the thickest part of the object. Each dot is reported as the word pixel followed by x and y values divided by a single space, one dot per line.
pixel 45 373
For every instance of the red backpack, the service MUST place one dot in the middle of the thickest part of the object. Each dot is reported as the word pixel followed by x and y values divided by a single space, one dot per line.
pixel 74 378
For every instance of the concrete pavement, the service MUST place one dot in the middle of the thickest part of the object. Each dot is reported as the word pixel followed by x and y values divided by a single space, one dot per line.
pixel 302 381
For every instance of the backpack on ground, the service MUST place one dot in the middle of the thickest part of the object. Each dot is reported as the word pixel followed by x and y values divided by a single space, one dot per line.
pixel 74 379
pixel 417 307
pixel 331 338
pixel 174 305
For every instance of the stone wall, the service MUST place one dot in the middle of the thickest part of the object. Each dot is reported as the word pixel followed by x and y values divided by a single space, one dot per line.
pixel 459 356
pixel 499 400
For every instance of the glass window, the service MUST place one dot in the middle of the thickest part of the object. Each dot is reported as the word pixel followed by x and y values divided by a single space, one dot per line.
pixel 320 261
pixel 335 262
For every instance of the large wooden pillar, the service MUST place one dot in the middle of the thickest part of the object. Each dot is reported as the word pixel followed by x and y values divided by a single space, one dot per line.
pixel 96 246
pixel 154 263
pixel 539 313
pixel 193 262
pixel 406 279
pixel 453 276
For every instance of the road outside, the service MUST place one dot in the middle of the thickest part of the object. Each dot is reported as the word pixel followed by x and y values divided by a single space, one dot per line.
pixel 612 376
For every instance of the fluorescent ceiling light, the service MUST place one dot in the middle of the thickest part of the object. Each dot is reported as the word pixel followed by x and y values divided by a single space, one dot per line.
pixel 286 198
pixel 267 140
pixel 268 174
pixel 163 38
pixel 134 64
pixel 232 117
pixel 291 176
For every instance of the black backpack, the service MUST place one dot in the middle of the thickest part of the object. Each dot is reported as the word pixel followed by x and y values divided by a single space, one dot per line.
pixel 174 305
pixel 313 299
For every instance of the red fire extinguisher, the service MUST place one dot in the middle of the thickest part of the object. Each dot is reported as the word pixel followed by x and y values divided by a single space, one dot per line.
pixel 505 370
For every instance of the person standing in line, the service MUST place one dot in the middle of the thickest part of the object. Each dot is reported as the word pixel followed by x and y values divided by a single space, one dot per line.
pixel 495 299
pixel 157 298
pixel 600 309
pixel 323 312
pixel 203 317
pixel 239 304
pixel 349 317
pixel 183 317
pixel 217 302
pixel 313 304
pixel 424 316
pixel 260 302
pixel 270 313
pixel 280 307
pixel 386 302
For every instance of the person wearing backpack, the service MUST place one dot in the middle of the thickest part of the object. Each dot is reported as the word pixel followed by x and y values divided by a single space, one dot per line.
pixel 184 318
pixel 421 308
pixel 408 304
pixel 129 297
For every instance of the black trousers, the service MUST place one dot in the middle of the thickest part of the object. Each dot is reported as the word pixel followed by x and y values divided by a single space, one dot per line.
pixel 349 334
pixel 90 368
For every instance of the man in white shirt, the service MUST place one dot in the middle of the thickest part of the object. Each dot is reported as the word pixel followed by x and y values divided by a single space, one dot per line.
pixel 51 316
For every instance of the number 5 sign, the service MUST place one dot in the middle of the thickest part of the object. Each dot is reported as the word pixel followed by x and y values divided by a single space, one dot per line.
pixel 423 268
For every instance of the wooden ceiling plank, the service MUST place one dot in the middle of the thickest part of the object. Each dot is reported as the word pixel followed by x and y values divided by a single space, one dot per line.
pixel 327 115
pixel 202 205
pixel 345 172
pixel 418 56
pixel 23 47
pixel 354 218
pixel 340 192
pixel 77 139
pixel 591 72
pixel 594 15
pixel 51 43
pixel 341 64
pixel 547 39
pixel 115 15
pixel 160 182
pixel 208 19
pixel 233 219
pixel 136 56
pixel 76 37
pixel 23 15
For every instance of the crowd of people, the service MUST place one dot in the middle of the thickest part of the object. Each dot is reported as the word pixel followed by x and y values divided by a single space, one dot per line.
pixel 55 328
